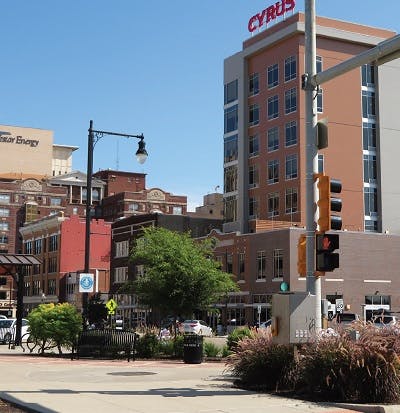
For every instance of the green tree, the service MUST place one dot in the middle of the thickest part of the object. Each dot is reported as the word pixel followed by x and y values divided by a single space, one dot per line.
pixel 97 311
pixel 181 274
pixel 54 325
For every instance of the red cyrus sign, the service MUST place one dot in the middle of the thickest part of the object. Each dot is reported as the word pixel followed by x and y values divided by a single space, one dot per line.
pixel 270 13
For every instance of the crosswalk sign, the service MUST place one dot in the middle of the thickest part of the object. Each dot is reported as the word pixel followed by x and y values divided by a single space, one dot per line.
pixel 111 306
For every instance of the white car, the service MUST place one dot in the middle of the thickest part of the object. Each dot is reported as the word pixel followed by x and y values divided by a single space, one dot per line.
pixel 8 328
pixel 197 327
pixel 2 317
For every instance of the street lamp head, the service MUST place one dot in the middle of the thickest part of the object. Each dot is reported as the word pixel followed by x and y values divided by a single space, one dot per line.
pixel 141 153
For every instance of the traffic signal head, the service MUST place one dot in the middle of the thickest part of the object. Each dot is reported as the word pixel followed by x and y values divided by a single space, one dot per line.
pixel 301 256
pixel 326 203
pixel 326 259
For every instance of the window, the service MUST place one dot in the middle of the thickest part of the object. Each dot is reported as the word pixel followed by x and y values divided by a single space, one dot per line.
pixel 370 201
pixel 38 246
pixel 230 178
pixel 370 168
pixel 273 107
pixel 368 104
pixel 133 207
pixel 4 212
pixel 231 119
pixel 3 239
pixel 369 136
pixel 121 274
pixel 253 84
pixel 253 208
pixel 4 226
pixel 291 201
pixel 273 76
pixel 51 287
pixel 231 148
pixel 291 133
pixel 31 212
pixel 320 101
pixel 122 249
pixel 318 64
pixel 253 176
pixel 254 115
pixel 230 208
pixel 55 201
pixel 229 263
pixel 278 263
pixel 28 247
pixel 4 198
pixel 291 167
pixel 253 145
pixel 368 75
pixel 241 265
pixel 53 243
pixel 52 264
pixel 95 194
pixel 231 92
pixel 273 171
pixel 273 204
pixel 261 265
pixel 273 139
pixel 290 68
pixel 290 101
pixel 177 210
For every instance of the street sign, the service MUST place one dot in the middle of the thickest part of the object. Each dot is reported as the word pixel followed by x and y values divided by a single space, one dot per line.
pixel 111 306
pixel 86 283
pixel 339 305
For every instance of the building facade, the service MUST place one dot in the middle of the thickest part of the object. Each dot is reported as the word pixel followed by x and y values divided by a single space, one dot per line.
pixel 264 127
pixel 58 242
pixel 265 263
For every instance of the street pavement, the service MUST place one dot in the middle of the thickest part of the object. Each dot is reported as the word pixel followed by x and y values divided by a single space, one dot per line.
pixel 53 384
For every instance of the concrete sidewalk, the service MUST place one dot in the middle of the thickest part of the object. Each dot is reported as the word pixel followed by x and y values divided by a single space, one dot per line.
pixel 50 384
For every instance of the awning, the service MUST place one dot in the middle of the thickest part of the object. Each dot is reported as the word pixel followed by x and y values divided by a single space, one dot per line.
pixel 18 259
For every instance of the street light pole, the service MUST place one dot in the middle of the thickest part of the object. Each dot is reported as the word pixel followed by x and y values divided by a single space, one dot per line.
pixel 141 155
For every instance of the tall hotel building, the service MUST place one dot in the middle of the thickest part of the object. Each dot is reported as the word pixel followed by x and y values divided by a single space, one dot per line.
pixel 264 128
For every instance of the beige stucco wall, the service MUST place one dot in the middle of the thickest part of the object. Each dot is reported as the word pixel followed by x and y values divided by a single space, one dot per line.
pixel 26 150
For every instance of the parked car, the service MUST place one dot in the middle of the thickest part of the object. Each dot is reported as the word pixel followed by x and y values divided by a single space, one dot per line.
pixel 266 324
pixel 197 327
pixel 384 320
pixel 8 328
pixel 346 318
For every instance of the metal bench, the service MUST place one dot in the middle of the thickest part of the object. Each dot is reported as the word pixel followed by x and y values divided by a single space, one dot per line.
pixel 105 344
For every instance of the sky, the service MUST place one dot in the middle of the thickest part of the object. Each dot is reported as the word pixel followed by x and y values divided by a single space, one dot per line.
pixel 133 66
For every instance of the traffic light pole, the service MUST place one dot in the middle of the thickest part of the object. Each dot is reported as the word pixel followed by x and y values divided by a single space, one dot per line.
pixel 313 283
pixel 382 53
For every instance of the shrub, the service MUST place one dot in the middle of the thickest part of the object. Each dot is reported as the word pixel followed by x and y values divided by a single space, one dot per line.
pixel 147 346
pixel 225 352
pixel 211 349
pixel 259 363
pixel 339 368
pixel 178 346
pixel 236 335
pixel 166 347
pixel 54 325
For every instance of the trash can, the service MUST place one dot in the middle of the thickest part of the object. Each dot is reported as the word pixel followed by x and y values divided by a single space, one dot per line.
pixel 192 348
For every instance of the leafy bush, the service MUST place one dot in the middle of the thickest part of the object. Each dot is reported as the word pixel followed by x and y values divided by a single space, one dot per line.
pixel 147 346
pixel 166 347
pixel 236 335
pixel 211 349
pixel 258 362
pixel 54 325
